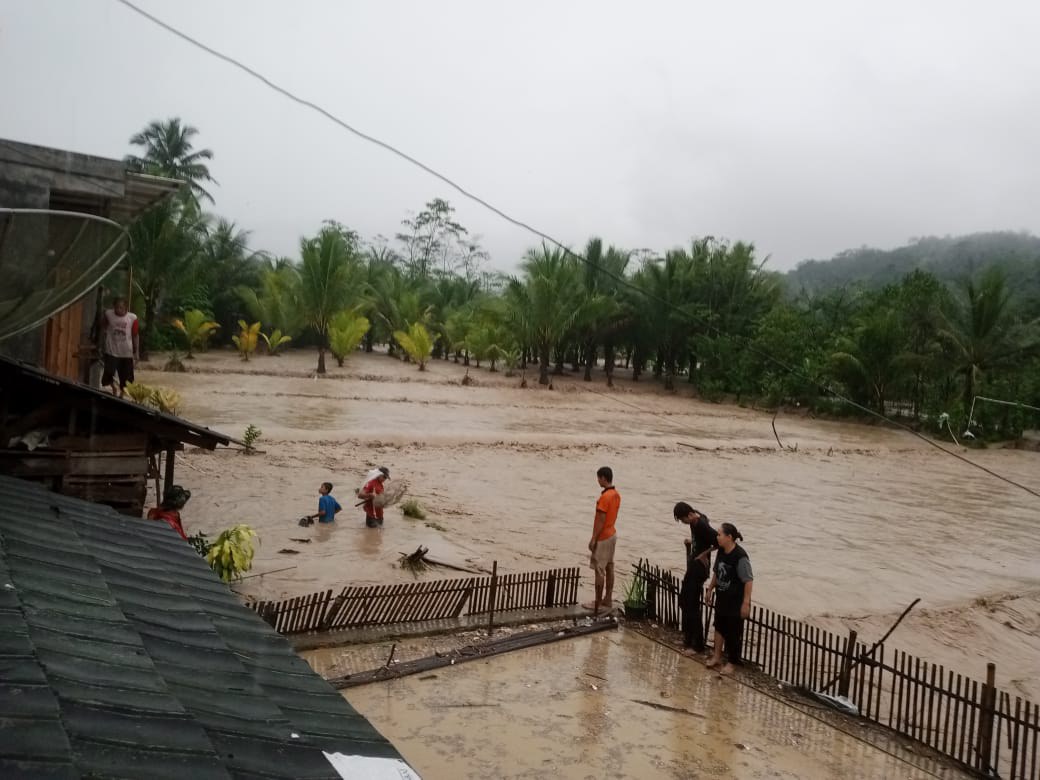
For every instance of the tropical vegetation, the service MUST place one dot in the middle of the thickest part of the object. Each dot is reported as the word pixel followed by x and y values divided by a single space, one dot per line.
pixel 707 318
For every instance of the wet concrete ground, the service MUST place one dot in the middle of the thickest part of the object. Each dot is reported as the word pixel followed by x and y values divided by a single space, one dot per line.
pixel 612 705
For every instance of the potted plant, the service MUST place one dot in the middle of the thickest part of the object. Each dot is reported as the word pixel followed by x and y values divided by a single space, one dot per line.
pixel 635 598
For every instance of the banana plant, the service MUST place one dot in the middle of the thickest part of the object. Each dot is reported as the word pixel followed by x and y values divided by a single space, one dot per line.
pixel 197 328
pixel 246 340
pixel 275 341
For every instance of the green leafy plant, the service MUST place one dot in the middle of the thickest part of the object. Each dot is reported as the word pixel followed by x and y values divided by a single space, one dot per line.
pixel 412 508
pixel 197 328
pixel 251 435
pixel 247 338
pixel 139 392
pixel 165 400
pixel 635 592
pixel 345 333
pixel 231 554
pixel 275 341
pixel 417 342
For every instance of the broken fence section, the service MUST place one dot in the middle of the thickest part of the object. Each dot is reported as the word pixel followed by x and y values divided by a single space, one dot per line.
pixel 969 721
pixel 375 605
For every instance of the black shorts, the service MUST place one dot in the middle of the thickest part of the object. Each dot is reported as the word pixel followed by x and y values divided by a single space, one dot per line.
pixel 373 522
pixel 117 365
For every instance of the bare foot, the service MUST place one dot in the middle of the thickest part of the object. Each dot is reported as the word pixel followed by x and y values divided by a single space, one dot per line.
pixel 589 605
pixel 727 670
pixel 689 652
pixel 712 663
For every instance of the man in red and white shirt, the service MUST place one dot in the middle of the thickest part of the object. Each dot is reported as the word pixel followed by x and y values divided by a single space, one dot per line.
pixel 371 494
pixel 120 346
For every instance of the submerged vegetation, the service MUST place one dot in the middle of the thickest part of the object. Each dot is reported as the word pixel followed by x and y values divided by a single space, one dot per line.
pixel 708 315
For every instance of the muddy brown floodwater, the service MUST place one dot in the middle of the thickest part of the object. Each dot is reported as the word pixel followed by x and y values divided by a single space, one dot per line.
pixel 845 527
pixel 613 705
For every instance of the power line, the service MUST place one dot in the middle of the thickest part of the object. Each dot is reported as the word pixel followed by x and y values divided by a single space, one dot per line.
pixel 544 236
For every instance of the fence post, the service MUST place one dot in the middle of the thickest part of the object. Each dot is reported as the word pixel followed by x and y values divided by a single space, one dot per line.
pixel 985 734
pixel 846 665
pixel 550 590
pixel 491 597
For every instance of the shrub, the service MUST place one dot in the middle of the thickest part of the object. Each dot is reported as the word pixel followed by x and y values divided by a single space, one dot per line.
pixel 412 508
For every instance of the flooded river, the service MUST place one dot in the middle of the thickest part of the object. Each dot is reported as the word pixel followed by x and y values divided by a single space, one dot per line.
pixel 845 526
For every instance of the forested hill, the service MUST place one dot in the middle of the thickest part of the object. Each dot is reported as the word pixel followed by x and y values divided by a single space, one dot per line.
pixel 949 259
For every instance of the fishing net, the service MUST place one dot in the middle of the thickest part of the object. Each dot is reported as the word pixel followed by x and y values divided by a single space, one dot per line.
pixel 49 260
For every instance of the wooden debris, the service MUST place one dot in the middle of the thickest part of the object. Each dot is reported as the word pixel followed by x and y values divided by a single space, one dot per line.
pixel 666 708
pixel 288 551
pixel 470 653
pixel 416 562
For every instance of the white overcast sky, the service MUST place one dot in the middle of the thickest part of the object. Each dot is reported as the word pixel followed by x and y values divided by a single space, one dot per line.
pixel 805 127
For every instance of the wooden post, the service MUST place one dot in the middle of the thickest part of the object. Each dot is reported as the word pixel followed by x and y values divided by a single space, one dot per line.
pixel 491 597
pixel 984 740
pixel 846 665
pixel 550 590
pixel 168 479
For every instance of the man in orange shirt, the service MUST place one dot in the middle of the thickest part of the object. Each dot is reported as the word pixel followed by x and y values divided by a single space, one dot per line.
pixel 604 540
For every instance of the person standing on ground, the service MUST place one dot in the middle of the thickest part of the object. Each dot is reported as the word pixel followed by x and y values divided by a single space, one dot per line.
pixel 732 583
pixel 327 505
pixel 703 539
pixel 604 540
pixel 120 346
pixel 371 496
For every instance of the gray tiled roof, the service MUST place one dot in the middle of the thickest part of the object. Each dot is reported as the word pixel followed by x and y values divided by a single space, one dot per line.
pixel 123 655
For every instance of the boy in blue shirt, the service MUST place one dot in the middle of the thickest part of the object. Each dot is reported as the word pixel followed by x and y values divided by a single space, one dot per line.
pixel 327 505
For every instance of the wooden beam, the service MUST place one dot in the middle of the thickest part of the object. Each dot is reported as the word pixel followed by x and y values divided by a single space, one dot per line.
pixel 471 653
pixel 168 477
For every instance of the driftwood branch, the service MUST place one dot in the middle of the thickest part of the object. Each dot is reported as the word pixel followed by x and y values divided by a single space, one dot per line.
pixel 868 653
pixel 773 423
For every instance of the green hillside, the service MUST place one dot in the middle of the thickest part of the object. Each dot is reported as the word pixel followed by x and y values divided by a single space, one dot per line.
pixel 949 259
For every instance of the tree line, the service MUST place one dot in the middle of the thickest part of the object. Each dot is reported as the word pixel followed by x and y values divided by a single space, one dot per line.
pixel 709 315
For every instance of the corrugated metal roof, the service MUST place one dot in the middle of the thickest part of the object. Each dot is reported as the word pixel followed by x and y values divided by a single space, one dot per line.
pixel 122 654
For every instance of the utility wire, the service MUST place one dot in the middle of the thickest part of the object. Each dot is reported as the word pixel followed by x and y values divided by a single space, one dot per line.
pixel 621 280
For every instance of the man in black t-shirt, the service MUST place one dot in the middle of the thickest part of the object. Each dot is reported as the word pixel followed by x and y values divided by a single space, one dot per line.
pixel 703 539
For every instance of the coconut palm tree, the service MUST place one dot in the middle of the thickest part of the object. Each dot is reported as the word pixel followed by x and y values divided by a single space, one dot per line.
pixel 197 328
pixel 164 243
pixel 169 151
pixel 416 342
pixel 876 357
pixel 545 301
pixel 330 273
pixel 982 330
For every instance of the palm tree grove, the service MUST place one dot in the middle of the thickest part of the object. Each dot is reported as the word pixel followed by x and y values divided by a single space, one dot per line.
pixel 706 317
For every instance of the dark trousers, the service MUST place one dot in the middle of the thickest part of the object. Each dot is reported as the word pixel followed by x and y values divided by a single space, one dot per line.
pixel 732 629
pixel 692 612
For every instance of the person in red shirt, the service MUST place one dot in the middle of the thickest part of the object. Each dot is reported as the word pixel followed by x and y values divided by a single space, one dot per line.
pixel 169 511
pixel 604 540
pixel 369 495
